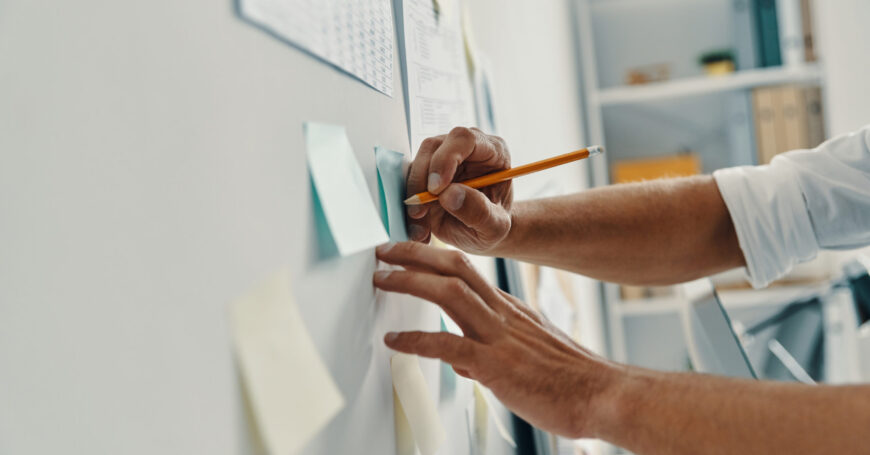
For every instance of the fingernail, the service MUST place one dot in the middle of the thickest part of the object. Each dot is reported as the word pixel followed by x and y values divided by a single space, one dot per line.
pixel 453 200
pixel 416 232
pixel 391 336
pixel 385 248
pixel 434 181
pixel 381 275
pixel 414 210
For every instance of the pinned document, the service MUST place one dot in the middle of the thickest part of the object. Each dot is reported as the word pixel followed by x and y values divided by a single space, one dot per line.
pixel 292 392
pixel 438 87
pixel 391 179
pixel 355 36
pixel 418 406
pixel 342 190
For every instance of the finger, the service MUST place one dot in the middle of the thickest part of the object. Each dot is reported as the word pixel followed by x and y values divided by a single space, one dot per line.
pixel 418 174
pixel 440 261
pixel 456 350
pixel 418 231
pixel 475 210
pixel 452 294
pixel 462 372
pixel 455 148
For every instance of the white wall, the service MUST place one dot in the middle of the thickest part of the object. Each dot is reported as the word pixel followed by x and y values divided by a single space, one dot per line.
pixel 844 40
pixel 531 49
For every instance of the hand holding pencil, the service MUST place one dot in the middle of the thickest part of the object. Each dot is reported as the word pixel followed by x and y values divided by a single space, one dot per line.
pixel 443 170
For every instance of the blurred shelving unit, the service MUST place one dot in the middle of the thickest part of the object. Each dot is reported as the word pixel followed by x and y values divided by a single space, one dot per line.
pixel 711 116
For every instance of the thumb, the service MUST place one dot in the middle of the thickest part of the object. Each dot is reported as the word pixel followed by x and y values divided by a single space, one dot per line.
pixel 474 210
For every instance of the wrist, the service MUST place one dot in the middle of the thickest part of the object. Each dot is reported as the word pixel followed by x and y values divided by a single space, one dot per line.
pixel 615 411
pixel 506 246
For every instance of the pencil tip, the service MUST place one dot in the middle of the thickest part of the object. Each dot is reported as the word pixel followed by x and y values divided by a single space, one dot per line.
pixel 595 150
pixel 413 200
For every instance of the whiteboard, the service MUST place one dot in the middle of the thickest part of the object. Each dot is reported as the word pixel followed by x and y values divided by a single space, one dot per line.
pixel 152 169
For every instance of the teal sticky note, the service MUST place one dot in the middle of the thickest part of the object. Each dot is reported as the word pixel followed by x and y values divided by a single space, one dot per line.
pixel 342 190
pixel 391 179
pixel 448 376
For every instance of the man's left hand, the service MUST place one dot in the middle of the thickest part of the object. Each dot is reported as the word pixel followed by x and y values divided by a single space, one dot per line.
pixel 533 368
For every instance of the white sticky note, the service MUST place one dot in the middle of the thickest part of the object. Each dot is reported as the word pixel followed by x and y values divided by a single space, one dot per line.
pixel 292 392
pixel 482 399
pixel 342 190
pixel 419 407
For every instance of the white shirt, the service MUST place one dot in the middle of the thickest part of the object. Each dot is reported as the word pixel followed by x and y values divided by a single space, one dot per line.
pixel 803 201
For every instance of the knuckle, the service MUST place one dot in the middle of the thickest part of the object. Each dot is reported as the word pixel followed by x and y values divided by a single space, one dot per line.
pixel 456 287
pixel 460 261
pixel 461 132
pixel 430 143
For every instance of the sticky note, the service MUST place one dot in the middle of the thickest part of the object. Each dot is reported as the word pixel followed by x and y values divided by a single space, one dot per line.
pixel 448 375
pixel 481 419
pixel 482 400
pixel 404 436
pixel 342 189
pixel 391 180
pixel 419 407
pixel 292 393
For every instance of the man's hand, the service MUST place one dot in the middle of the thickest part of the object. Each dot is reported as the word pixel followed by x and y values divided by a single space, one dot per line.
pixel 533 368
pixel 473 220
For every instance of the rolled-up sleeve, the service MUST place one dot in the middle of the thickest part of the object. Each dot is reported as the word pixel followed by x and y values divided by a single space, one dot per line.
pixel 805 200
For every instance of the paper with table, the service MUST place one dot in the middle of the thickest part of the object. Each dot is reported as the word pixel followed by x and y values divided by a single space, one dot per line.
pixel 353 35
pixel 342 190
pixel 438 92
pixel 291 390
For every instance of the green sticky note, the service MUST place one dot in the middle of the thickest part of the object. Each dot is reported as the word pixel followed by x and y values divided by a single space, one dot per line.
pixel 391 179
pixel 342 191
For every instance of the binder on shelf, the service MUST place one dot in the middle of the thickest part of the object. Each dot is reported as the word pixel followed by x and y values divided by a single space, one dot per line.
pixel 768 33
pixel 787 118
pixel 793 104
pixel 763 102
pixel 791 38
pixel 809 37
pixel 815 116
pixel 745 35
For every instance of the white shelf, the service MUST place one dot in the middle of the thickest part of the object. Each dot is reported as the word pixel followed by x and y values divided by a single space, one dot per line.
pixel 731 299
pixel 701 85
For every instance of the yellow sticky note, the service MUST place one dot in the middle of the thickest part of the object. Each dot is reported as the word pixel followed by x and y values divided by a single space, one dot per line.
pixel 481 419
pixel 482 400
pixel 418 406
pixel 292 393
pixel 404 435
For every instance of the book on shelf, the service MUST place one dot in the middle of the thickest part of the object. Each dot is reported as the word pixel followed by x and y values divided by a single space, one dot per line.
pixel 787 118
pixel 637 170
pixel 767 27
pixel 791 37
pixel 745 35
pixel 809 43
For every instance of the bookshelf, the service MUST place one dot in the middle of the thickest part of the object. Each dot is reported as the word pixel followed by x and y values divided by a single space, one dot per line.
pixel 710 115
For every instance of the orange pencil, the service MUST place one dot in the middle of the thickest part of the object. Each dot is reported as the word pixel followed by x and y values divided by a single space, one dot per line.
pixel 514 172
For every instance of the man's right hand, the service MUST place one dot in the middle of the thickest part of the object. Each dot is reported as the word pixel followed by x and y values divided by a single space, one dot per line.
pixel 472 220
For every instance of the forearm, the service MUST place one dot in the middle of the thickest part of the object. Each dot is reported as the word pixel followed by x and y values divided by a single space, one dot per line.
pixel 659 232
pixel 677 413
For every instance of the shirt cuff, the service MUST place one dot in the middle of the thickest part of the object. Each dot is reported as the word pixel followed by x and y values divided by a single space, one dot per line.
pixel 770 217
